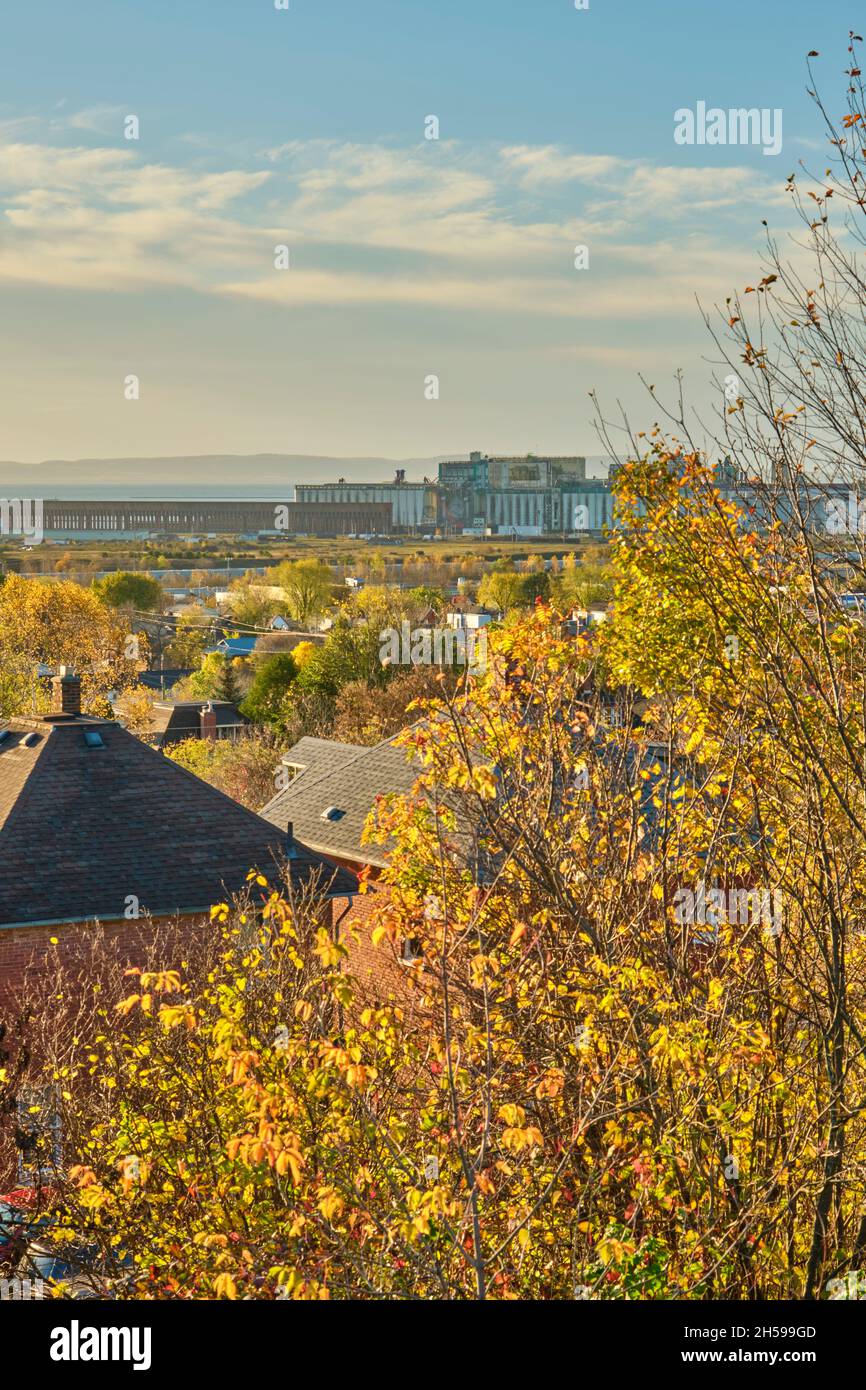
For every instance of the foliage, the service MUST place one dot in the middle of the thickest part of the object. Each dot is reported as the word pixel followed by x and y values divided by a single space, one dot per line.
pixel 250 605
pixel 60 623
pixel 216 675
pixel 244 768
pixel 265 701
pixel 124 589
pixel 501 588
pixel 369 714
pixel 306 586
pixel 191 637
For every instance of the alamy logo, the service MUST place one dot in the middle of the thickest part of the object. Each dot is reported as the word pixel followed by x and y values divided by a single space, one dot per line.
pixel 77 1343
pixel 737 126
pixel 434 646
pixel 711 907
pixel 22 516
pixel 21 1290
pixel 851 1286
pixel 846 515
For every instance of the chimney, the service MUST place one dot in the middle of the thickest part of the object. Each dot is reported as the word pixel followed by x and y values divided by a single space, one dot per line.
pixel 66 692
pixel 208 721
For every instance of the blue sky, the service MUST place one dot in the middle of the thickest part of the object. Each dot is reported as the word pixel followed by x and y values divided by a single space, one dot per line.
pixel 408 257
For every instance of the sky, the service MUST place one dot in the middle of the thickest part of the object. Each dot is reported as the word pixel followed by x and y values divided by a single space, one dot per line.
pixel 408 258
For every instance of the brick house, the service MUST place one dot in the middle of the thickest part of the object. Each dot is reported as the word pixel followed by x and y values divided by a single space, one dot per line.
pixel 176 720
pixel 95 826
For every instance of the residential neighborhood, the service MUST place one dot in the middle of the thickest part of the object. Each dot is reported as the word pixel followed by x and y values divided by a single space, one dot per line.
pixel 432 680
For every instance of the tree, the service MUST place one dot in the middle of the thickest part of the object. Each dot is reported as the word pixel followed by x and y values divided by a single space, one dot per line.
pixel 535 586
pixel 581 585
pixel 228 685
pixel 423 596
pixel 302 652
pixel 501 588
pixel 135 710
pixel 576 1087
pixel 244 768
pixel 216 675
pixel 192 635
pixel 250 606
pixel 369 714
pixel 306 585
pixel 124 589
pixel 60 623
pixel 265 701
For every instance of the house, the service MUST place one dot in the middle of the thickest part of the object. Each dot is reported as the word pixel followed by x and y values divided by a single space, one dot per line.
pixel 469 616
pixel 334 788
pixel 582 619
pixel 175 720
pixel 234 646
pixel 272 643
pixel 163 679
pixel 96 826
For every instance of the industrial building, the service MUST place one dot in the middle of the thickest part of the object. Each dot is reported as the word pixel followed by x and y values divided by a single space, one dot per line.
pixel 482 495
pixel 139 520
pixel 521 496
pixel 414 506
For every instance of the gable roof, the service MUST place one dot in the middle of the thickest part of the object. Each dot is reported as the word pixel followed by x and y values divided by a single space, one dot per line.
pixel 235 646
pixel 84 828
pixel 175 720
pixel 343 778
pixel 319 755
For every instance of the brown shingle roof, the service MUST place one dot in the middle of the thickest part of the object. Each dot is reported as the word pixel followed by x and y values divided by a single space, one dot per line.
pixel 83 829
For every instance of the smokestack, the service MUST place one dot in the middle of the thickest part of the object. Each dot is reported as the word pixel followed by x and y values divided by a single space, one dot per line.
pixel 66 692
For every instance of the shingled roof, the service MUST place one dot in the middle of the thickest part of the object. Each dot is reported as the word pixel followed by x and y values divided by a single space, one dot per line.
pixel 330 799
pixel 90 816
pixel 172 721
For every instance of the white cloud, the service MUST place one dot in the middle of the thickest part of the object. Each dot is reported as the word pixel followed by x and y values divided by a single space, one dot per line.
pixel 435 225
pixel 546 164
pixel 102 120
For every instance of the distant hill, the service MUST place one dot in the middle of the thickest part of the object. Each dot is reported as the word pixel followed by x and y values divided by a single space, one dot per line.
pixel 214 476
pixel 237 474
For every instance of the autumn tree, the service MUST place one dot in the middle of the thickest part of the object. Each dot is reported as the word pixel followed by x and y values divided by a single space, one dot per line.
pixel 306 586
pixel 245 768
pixel 124 589
pixel 55 623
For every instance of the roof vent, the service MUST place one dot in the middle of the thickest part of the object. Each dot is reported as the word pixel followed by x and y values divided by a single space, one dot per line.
pixel 4 735
pixel 31 740
pixel 333 813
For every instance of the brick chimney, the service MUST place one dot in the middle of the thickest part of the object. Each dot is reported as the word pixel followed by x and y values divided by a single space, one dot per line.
pixel 66 692
pixel 208 721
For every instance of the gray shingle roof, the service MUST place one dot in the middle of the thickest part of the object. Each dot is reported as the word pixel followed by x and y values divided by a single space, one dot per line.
pixel 347 778
pixel 82 829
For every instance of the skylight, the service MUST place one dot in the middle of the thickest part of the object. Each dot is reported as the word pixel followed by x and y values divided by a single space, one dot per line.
pixel 93 739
